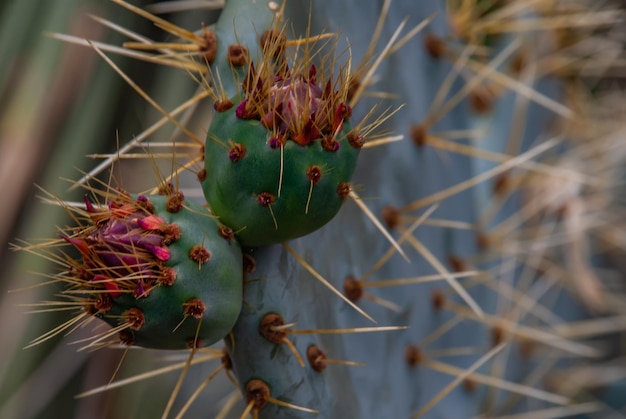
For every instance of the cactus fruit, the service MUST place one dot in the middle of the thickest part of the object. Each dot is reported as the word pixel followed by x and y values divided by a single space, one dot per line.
pixel 158 269
pixel 268 187
pixel 279 159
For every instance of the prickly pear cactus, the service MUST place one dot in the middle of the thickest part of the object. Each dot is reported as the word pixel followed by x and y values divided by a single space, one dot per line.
pixel 158 269
pixel 280 153
pixel 499 206
pixel 269 187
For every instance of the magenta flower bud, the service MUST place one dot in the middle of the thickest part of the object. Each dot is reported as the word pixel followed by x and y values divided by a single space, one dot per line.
pixel 79 244
pixel 161 253
pixel 88 205
pixel 241 109
pixel 151 222
pixel 109 284
pixel 342 113
pixel 125 241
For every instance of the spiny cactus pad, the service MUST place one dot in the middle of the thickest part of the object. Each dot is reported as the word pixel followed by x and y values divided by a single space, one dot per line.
pixel 159 270
pixel 279 160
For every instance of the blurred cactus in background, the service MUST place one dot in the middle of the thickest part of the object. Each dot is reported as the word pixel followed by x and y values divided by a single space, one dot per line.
pixel 474 267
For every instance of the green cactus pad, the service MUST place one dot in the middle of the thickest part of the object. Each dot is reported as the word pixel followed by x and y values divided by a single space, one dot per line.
pixel 162 271
pixel 269 193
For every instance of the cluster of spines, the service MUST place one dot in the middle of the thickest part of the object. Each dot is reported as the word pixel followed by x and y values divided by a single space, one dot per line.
pixel 290 102
pixel 144 270
pixel 125 240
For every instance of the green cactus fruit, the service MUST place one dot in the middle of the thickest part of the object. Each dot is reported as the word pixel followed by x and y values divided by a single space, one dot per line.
pixel 279 155
pixel 159 270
